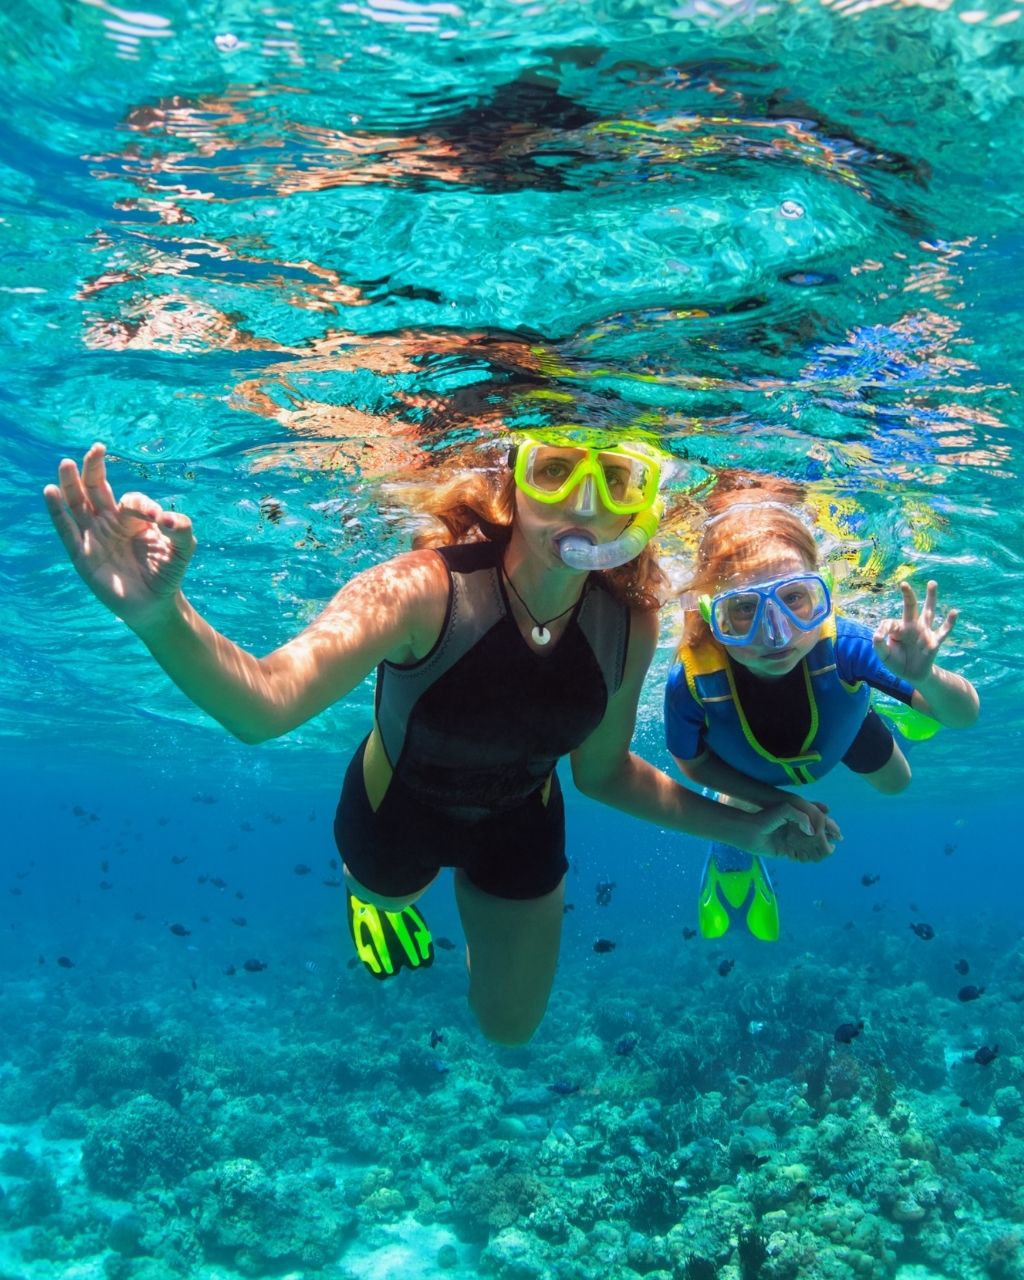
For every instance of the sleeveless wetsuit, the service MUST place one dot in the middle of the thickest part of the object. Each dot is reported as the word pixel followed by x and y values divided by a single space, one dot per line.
pixel 472 733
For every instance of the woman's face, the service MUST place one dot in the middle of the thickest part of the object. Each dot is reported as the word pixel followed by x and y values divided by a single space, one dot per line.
pixel 760 657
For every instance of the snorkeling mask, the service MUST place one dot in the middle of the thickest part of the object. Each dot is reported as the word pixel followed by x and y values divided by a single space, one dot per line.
pixel 624 477
pixel 767 612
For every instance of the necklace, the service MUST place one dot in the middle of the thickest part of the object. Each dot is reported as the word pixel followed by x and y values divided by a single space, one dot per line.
pixel 540 633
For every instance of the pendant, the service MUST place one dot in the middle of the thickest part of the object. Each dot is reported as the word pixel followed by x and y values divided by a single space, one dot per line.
pixel 540 634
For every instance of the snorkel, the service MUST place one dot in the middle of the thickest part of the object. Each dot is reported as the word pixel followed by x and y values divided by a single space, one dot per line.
pixel 580 552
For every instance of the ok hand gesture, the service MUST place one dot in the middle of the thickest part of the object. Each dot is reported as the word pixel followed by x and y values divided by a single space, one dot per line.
pixel 132 554
pixel 908 646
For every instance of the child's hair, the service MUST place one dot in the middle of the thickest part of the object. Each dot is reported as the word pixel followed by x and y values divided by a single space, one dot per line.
pixel 748 524
pixel 479 505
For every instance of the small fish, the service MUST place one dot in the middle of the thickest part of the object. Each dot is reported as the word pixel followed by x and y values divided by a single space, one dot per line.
pixel 689 933
pixel 311 966
pixel 626 1046
pixel 254 966
pixel 229 971
pixel 240 921
pixel 949 850
pixel 105 884
pixel 567 907
pixel 179 858
pixel 332 882
pixel 848 1031
pixel 138 915
pixel 440 1066
pixel 985 1056
pixel 195 985
pixel 962 967
pixel 436 1038
pixel 867 879
pixel 239 895
pixel 202 879
pixel 923 931
pixel 445 944
pixel 218 883
pixel 604 890
pixel 41 959
pixel 809 279
pixel 602 946
pixel 820 1198
pixel 725 968
pixel 300 869
pixel 970 992
pixel 180 931
pixel 65 962
pixel 564 1088
pixel 104 866
pixel 353 963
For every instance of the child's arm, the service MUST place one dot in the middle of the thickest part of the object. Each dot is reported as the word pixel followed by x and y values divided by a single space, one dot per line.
pixel 908 647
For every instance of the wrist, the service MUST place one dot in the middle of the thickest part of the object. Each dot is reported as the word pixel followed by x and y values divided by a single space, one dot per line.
pixel 153 622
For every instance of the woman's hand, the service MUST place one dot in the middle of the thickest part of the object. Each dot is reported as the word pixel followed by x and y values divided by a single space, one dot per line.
pixel 908 646
pixel 132 554
pixel 787 831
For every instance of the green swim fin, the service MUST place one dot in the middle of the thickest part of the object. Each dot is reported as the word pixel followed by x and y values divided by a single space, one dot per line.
pixel 734 881
pixel 386 941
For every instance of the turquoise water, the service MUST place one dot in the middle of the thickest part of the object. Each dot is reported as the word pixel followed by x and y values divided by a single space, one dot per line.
pixel 277 256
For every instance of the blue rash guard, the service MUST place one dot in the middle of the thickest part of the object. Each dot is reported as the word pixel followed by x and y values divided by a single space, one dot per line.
pixel 790 730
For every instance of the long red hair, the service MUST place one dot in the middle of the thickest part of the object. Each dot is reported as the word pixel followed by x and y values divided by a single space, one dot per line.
pixel 480 505
pixel 749 522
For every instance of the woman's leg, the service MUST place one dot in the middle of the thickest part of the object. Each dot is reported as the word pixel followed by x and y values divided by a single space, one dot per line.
pixel 512 952
pixel 380 900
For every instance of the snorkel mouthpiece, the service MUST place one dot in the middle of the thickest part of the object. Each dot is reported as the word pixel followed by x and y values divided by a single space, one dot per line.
pixel 580 552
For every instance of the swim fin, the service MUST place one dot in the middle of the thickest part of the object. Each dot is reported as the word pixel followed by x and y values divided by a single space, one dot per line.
pixel 386 941
pixel 735 881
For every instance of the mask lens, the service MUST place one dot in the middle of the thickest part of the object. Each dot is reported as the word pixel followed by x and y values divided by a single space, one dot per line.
pixel 550 471
pixel 631 483
pixel 736 615
pixel 804 599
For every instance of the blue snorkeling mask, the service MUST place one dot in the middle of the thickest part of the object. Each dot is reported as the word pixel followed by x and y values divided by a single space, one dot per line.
pixel 766 613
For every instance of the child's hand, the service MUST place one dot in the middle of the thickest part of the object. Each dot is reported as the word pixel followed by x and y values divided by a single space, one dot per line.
pixel 908 647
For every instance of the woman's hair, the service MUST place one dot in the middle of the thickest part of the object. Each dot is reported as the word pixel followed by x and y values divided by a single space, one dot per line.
pixel 479 506
pixel 747 526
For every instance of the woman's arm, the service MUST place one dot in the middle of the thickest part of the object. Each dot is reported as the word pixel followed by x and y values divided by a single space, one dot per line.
pixel 133 556
pixel 605 769
pixel 393 612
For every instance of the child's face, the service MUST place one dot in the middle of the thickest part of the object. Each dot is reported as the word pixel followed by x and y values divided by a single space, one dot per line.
pixel 759 657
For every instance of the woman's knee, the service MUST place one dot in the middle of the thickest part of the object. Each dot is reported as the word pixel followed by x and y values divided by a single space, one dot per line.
pixel 510 1028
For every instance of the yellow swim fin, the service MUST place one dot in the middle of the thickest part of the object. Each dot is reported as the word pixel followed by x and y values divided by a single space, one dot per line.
pixel 386 941
pixel 735 881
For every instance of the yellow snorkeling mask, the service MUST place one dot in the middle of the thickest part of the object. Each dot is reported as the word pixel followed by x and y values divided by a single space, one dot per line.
pixel 624 476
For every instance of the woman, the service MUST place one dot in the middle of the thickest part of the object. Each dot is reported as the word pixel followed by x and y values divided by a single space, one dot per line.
pixel 771 687
pixel 495 657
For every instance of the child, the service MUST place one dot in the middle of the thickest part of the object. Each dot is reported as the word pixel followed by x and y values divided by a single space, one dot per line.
pixel 770 686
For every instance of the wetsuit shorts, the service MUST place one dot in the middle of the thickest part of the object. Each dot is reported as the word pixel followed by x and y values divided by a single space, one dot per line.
pixel 397 850
pixel 873 746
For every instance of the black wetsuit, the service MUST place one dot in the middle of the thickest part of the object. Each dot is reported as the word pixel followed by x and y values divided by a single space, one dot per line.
pixel 473 732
